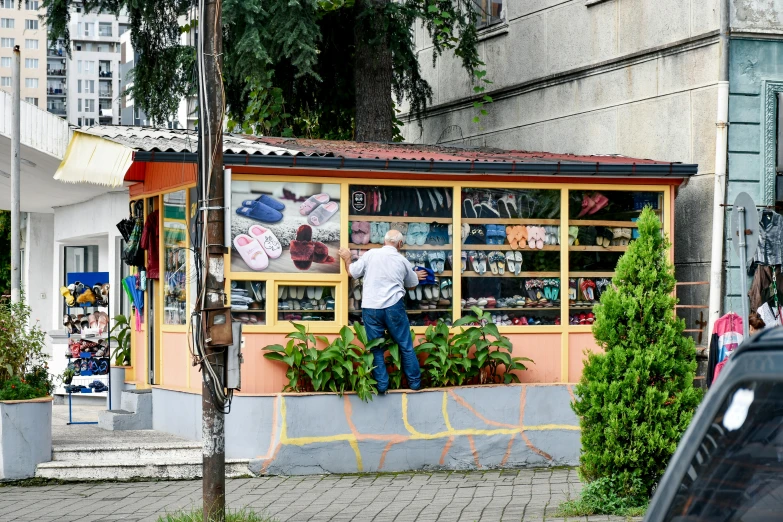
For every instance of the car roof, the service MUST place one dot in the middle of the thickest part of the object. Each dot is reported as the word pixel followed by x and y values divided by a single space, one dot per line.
pixel 767 339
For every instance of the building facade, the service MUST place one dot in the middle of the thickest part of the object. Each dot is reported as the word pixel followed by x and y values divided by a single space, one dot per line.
pixel 629 77
pixel 19 25
pixel 91 84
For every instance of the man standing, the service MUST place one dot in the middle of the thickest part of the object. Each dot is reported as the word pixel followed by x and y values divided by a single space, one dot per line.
pixel 387 274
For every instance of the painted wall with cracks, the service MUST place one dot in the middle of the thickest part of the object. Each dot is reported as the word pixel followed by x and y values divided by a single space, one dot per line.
pixel 455 428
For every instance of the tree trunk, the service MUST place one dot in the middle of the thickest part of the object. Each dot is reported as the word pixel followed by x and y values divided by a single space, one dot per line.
pixel 373 74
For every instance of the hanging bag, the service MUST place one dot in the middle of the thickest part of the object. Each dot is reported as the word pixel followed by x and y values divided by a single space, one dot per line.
pixel 131 251
pixel 126 225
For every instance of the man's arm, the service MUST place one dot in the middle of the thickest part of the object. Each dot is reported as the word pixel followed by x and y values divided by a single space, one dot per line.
pixel 413 277
pixel 358 266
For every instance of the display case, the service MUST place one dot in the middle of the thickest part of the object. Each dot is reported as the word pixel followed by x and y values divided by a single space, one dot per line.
pixel 532 254
pixel 424 216
pixel 601 226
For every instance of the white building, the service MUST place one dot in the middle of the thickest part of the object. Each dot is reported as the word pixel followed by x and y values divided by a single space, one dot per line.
pixel 186 117
pixel 85 87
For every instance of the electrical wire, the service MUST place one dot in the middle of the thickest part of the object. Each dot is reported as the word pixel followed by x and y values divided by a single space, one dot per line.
pixel 206 161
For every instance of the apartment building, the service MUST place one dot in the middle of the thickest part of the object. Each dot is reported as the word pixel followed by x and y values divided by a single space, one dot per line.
pixel 84 88
pixel 23 28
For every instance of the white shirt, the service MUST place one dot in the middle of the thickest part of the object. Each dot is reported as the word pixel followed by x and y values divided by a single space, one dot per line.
pixel 386 276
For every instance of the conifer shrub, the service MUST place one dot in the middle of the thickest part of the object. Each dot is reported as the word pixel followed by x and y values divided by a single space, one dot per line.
pixel 636 398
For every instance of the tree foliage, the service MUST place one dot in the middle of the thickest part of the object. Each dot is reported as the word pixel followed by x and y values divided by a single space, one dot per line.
pixel 289 65
pixel 637 398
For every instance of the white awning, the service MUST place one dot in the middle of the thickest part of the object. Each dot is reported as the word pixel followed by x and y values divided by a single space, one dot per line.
pixel 92 159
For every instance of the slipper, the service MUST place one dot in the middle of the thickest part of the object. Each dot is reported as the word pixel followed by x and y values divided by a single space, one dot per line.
pixel 482 262
pixel 267 240
pixel 464 231
pixel 468 210
pixel 474 262
pixel 260 212
pixel 304 233
pixel 69 300
pixel 321 253
pixel 464 258
pixel 500 262
pixel 510 260
pixel 251 251
pixel 492 262
pixel 323 213
pixel 518 262
pixel 266 200
pixel 312 203
pixel 302 254
pixel 587 205
pixel 423 231
pixel 600 202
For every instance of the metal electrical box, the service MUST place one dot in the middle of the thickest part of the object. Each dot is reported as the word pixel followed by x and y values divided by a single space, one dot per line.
pixel 218 328
pixel 234 359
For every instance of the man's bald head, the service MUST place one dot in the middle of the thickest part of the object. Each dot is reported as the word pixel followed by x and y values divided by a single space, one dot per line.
pixel 394 238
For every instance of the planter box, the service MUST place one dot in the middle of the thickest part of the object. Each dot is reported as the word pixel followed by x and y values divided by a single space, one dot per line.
pixel 117 387
pixel 468 427
pixel 25 437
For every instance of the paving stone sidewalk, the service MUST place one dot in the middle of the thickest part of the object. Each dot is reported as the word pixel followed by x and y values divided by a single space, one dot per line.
pixel 524 495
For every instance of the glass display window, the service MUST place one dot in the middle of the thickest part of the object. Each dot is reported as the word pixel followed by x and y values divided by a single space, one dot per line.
pixel 288 228
pixel 175 255
pixel 510 255
pixel 248 302
pixel 601 226
pixel 305 303
pixel 424 216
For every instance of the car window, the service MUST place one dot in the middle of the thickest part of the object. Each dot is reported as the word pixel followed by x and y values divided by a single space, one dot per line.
pixel 737 471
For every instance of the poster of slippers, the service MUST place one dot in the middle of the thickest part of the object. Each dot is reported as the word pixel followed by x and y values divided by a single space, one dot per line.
pixel 285 227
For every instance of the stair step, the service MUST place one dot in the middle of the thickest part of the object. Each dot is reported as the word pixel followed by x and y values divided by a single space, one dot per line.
pixel 161 452
pixel 174 469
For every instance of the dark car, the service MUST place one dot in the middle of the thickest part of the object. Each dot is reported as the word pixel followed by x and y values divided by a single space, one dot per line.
pixel 729 463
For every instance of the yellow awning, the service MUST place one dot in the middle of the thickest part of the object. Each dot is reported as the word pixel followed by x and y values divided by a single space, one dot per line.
pixel 92 159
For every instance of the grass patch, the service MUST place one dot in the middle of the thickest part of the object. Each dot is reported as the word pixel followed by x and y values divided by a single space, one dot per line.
pixel 603 497
pixel 238 515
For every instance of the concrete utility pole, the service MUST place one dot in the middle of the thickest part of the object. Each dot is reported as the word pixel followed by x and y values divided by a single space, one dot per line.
pixel 211 104
pixel 16 158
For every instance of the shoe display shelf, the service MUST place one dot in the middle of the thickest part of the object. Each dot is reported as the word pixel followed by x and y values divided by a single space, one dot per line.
pixel 89 279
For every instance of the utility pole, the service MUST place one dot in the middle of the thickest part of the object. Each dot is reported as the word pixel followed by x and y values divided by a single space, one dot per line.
pixel 16 158
pixel 211 106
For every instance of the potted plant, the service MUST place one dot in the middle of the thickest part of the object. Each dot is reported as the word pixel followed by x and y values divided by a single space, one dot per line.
pixel 25 394
pixel 121 346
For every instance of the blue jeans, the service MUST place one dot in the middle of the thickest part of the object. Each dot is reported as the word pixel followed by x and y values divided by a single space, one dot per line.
pixel 395 320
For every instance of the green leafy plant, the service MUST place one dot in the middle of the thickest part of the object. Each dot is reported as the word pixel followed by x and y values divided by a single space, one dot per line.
pixel 343 365
pixel 601 496
pixel 474 355
pixel 122 338
pixel 68 374
pixel 24 371
pixel 491 350
pixel 444 363
pixel 636 398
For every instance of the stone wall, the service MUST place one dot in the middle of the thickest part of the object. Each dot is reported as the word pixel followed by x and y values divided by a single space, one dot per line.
pixel 456 428
pixel 630 77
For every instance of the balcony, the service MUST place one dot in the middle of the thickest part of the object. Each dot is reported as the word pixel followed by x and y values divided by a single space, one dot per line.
pixel 55 72
pixel 58 109
pixel 105 74
pixel 59 51
pixel 105 94
pixel 56 91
